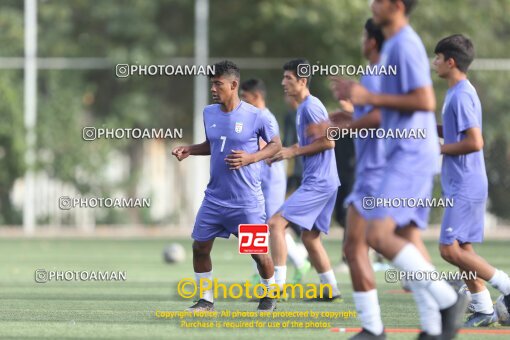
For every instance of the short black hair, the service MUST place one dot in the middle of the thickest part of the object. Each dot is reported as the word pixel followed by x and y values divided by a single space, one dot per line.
pixel 409 4
pixel 254 85
pixel 374 32
pixel 226 68
pixel 294 64
pixel 459 48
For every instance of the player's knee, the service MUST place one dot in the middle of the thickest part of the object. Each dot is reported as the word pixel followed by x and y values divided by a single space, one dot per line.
pixel 308 239
pixel 354 243
pixel 449 253
pixel 351 250
pixel 375 239
pixel 275 224
pixel 201 249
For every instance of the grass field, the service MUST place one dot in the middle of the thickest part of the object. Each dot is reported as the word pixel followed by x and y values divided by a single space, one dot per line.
pixel 126 309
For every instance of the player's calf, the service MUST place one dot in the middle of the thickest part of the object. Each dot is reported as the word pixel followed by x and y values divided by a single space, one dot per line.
pixel 277 225
pixel 356 249
pixel 381 236
pixel 202 256
pixel 319 258
pixel 264 264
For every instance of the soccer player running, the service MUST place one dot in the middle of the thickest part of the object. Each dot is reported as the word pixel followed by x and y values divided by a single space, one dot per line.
pixel 464 179
pixel 311 205
pixel 370 161
pixel 274 178
pixel 233 195
pixel 407 101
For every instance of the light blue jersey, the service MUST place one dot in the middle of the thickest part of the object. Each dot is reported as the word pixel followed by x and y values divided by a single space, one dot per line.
pixel 274 180
pixel 463 175
pixel 319 170
pixel 239 129
pixel 369 151
pixel 421 155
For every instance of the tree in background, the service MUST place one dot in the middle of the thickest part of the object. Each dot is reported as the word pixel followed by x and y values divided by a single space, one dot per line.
pixel 151 32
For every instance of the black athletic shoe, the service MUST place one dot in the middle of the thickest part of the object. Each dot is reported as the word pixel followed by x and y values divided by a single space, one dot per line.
pixel 452 317
pixel 426 336
pixel 201 306
pixel 367 335
pixel 266 304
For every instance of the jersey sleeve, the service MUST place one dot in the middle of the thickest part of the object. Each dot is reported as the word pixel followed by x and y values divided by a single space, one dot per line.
pixel 205 127
pixel 413 68
pixel 465 112
pixel 314 114
pixel 267 127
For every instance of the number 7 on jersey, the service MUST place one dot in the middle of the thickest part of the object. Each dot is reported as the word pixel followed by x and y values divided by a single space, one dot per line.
pixel 223 138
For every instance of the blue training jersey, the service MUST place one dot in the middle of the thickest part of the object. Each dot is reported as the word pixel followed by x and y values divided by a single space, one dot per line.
pixel 463 175
pixel 369 151
pixel 239 129
pixel 405 50
pixel 319 170
pixel 274 180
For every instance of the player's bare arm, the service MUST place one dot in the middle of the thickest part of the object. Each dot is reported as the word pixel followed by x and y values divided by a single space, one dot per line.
pixel 339 118
pixel 316 146
pixel 284 153
pixel 371 120
pixel 420 99
pixel 347 107
pixel 240 158
pixel 182 152
pixel 472 143
pixel 320 129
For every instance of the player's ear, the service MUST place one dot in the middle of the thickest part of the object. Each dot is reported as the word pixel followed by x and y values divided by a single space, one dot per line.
pixel 399 6
pixel 302 81
pixel 373 43
pixel 234 85
pixel 451 63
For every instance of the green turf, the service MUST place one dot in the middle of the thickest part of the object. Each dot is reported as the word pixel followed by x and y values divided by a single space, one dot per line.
pixel 126 309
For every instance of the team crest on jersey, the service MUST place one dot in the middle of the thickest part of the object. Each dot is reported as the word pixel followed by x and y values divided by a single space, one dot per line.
pixel 239 127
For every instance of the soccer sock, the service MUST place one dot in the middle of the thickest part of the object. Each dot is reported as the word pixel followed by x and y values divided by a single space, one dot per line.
pixel 410 259
pixel 329 278
pixel 293 252
pixel 280 275
pixel 430 318
pixel 482 302
pixel 208 294
pixel 369 312
pixel 268 283
pixel 501 282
